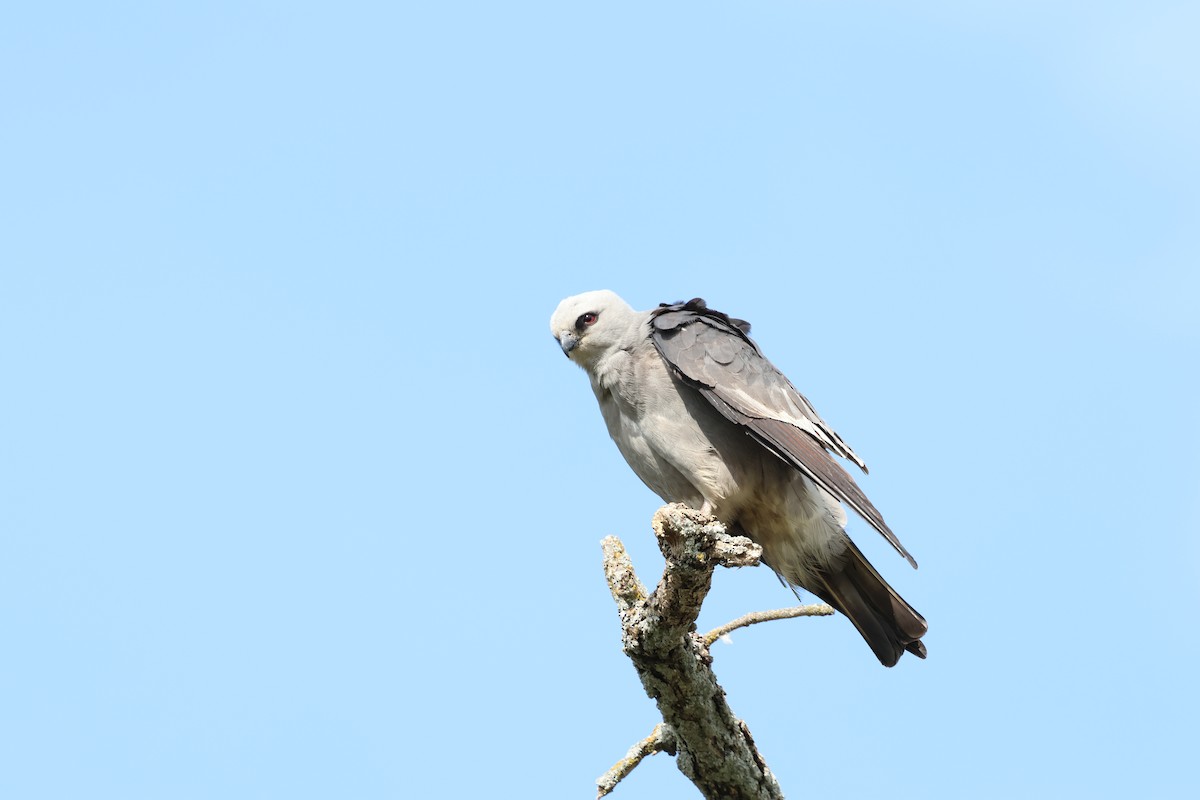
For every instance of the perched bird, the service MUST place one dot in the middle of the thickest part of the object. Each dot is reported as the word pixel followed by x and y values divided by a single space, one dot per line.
pixel 705 420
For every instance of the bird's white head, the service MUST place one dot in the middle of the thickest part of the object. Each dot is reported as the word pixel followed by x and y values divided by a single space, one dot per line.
pixel 589 325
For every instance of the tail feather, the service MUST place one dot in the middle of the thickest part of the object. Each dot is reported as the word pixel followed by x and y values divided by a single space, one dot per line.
pixel 887 622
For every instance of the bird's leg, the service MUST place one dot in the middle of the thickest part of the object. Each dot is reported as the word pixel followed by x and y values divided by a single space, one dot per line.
pixel 707 508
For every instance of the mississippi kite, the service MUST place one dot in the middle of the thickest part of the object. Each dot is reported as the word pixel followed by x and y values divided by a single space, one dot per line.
pixel 705 420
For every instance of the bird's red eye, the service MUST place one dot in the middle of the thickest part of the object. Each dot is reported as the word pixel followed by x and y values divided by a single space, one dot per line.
pixel 585 320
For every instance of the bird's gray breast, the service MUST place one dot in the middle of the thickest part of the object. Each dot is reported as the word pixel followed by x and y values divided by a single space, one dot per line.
pixel 671 438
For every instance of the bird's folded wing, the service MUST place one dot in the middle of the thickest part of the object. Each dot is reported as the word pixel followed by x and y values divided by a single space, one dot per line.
pixel 715 354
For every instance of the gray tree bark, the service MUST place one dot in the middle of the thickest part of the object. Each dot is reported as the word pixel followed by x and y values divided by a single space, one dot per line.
pixel 713 748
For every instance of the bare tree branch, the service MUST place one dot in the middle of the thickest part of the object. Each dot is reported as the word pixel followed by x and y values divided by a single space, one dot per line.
pixel 660 739
pixel 713 748
pixel 623 582
pixel 813 610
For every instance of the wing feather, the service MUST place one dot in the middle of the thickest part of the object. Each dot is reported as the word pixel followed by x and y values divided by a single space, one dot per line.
pixel 715 354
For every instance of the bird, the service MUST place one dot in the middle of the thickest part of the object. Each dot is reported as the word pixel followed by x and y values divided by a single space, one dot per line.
pixel 704 419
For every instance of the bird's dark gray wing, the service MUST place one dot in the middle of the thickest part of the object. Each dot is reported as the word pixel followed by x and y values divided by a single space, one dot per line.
pixel 714 354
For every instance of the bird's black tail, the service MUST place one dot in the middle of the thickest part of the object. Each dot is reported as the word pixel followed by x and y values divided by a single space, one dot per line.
pixel 888 623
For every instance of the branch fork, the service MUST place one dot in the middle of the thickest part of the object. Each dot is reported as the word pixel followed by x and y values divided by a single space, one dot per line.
pixel 713 748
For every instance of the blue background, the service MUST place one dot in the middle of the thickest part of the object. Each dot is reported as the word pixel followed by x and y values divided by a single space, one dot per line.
pixel 298 497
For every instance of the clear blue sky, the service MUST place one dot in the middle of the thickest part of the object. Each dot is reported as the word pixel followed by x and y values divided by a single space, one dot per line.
pixel 298 497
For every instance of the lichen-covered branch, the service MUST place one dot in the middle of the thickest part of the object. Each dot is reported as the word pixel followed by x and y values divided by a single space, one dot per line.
pixel 713 748
pixel 660 739
pixel 813 610
pixel 623 582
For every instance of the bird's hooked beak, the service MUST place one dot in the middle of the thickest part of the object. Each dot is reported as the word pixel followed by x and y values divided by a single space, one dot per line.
pixel 567 340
